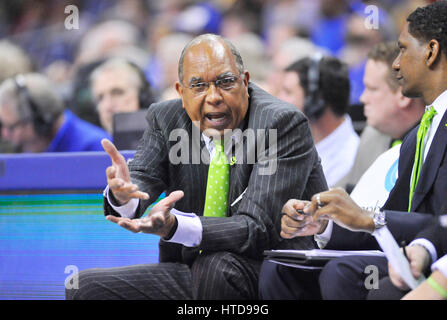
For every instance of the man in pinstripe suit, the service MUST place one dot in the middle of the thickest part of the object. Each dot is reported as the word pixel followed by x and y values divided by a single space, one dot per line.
pixel 204 257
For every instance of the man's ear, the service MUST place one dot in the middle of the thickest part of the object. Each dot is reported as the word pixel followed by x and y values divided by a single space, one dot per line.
pixel 179 89
pixel 246 78
pixel 432 53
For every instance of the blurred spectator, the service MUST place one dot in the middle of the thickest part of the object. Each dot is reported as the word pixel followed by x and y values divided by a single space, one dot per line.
pixel 329 29
pixel 299 15
pixel 166 62
pixel 105 37
pixel 402 10
pixel 276 37
pixel 110 38
pixel 14 61
pixel 119 86
pixel 236 23
pixel 320 88
pixel 359 38
pixel 291 50
pixel 198 18
pixel 251 48
pixel 34 120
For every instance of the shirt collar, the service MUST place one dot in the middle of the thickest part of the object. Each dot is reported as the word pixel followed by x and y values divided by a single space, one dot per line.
pixel 440 104
pixel 236 137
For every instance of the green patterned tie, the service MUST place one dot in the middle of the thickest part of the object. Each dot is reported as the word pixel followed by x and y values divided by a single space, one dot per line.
pixel 418 156
pixel 217 186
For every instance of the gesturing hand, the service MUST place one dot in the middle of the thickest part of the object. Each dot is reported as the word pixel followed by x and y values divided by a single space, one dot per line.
pixel 294 224
pixel 338 206
pixel 118 177
pixel 158 221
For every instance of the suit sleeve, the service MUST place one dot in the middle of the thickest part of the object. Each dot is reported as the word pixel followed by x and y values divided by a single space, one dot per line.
pixel 254 227
pixel 437 235
pixel 403 226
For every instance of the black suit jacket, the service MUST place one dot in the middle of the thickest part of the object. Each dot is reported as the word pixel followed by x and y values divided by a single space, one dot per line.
pixel 429 197
pixel 253 224
pixel 437 235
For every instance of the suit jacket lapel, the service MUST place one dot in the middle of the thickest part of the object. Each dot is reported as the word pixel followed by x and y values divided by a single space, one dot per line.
pixel 431 164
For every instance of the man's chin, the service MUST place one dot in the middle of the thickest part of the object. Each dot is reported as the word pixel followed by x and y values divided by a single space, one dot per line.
pixel 218 128
pixel 410 93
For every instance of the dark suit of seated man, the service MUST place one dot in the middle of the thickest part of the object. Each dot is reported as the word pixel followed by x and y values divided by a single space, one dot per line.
pixel 421 70
pixel 227 209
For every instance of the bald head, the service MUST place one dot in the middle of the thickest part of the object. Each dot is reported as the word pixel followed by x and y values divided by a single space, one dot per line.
pixel 212 40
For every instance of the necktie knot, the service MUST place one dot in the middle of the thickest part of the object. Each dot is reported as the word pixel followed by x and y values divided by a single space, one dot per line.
pixel 219 146
pixel 428 116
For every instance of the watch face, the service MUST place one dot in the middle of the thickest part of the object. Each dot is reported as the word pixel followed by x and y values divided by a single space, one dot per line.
pixel 379 219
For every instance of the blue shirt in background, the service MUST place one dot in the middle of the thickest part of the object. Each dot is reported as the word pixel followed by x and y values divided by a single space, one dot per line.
pixel 76 134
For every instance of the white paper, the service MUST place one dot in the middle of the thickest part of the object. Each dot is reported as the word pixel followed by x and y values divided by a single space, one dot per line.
pixel 395 256
pixel 294 265
pixel 323 253
pixel 334 253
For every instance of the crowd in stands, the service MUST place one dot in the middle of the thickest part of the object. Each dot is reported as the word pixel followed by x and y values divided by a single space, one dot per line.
pixel 66 45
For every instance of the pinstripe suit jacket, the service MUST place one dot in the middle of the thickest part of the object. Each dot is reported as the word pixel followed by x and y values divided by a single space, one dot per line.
pixel 253 224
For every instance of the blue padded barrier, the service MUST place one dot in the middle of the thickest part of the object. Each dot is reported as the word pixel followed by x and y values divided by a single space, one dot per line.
pixel 55 171
pixel 52 223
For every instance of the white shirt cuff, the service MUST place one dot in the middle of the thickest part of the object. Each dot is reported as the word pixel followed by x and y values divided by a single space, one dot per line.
pixel 427 245
pixel 189 229
pixel 127 210
pixel 440 265
pixel 323 238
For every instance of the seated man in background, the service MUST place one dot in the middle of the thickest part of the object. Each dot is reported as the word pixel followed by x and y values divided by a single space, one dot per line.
pixel 389 114
pixel 119 86
pixel 34 118
pixel 320 88
pixel 227 210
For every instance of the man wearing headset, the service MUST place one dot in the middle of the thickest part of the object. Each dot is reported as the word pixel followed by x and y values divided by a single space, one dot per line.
pixel 33 118
pixel 319 86
pixel 119 86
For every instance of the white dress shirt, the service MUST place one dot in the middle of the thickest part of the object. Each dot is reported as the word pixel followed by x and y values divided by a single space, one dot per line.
pixel 189 227
pixel 440 105
pixel 337 151
pixel 440 265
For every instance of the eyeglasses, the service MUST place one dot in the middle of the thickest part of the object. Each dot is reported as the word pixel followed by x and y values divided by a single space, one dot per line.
pixel 12 127
pixel 226 83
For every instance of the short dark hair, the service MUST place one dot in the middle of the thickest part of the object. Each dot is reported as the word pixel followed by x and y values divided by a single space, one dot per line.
pixel 430 22
pixel 334 85
pixel 386 52
pixel 210 37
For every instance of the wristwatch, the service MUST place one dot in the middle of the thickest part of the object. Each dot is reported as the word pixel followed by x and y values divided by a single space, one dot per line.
pixel 379 219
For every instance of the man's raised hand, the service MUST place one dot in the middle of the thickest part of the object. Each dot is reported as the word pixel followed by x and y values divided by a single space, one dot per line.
pixel 118 176
pixel 159 220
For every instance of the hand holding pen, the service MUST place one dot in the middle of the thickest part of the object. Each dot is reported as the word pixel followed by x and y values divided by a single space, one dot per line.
pixel 297 220
pixel 419 260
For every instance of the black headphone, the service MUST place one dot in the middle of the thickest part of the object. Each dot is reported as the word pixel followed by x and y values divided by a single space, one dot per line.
pixel 314 104
pixel 145 93
pixel 43 122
